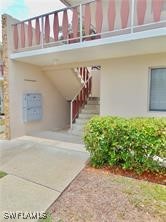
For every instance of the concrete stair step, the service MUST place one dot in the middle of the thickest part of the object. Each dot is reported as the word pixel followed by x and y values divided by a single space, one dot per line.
pixel 94 98
pixel 81 121
pixel 89 111
pixel 93 102
pixel 85 116
pixel 92 107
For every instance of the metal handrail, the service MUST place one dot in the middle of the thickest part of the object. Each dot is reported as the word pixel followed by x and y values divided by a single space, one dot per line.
pixel 85 83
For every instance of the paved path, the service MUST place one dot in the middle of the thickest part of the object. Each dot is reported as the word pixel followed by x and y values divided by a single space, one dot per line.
pixel 62 135
pixel 38 172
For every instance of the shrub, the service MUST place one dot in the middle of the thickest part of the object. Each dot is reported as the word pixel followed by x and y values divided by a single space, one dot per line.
pixel 129 143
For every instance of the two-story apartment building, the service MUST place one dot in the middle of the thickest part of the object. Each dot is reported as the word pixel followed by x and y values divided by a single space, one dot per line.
pixel 46 85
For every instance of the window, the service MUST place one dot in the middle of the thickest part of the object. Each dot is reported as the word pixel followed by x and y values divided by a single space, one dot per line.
pixel 158 89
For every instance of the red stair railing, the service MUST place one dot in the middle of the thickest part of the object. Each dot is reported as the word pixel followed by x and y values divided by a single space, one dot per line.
pixel 81 97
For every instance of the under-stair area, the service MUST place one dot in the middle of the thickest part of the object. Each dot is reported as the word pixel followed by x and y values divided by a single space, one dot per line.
pixel 91 109
pixel 84 104
pixel 74 135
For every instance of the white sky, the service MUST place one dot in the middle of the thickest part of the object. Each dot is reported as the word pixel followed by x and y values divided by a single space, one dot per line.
pixel 42 6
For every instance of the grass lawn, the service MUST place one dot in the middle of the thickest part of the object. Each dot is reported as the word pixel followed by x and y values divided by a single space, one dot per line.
pixel 98 195
pixel 2 174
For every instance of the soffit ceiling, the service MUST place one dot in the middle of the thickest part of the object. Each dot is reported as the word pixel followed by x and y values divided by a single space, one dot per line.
pixel 73 2
pixel 94 54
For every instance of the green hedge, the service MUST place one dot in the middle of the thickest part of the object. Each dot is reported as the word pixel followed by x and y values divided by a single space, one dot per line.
pixel 128 143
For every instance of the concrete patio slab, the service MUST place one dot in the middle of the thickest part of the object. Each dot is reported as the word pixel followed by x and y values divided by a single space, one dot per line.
pixel 21 195
pixel 49 165
pixel 62 135
pixel 10 149
pixel 38 171
pixel 58 143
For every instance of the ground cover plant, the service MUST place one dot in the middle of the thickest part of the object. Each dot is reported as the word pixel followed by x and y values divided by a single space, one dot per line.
pixel 127 143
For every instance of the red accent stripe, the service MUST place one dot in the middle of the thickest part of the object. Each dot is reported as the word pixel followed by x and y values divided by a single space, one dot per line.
pixel 125 9
pixel 30 33
pixel 56 26
pixel 47 29
pixel 75 22
pixel 157 6
pixel 111 15
pixel 99 16
pixel 15 36
pixel 22 35
pixel 37 31
pixel 141 10
pixel 65 25
pixel 87 21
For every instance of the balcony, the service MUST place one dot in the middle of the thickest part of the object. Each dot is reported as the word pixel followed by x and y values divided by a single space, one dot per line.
pixel 95 23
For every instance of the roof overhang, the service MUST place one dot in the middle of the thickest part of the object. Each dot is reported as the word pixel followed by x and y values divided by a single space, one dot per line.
pixel 73 2
pixel 142 43
pixel 65 2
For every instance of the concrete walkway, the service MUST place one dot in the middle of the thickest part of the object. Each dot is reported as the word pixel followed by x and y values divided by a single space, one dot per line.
pixel 38 172
pixel 63 135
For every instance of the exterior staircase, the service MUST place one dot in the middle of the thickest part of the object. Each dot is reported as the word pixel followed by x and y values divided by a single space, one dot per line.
pixel 91 108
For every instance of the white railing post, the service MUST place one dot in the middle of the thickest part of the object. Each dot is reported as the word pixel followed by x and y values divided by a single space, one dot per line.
pixel 71 114
pixel 81 23
pixel 132 15
pixel 42 32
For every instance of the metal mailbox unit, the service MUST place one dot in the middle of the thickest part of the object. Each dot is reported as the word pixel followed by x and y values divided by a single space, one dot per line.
pixel 32 107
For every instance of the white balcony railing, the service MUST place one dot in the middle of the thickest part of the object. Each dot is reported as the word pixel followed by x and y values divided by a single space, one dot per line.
pixel 86 22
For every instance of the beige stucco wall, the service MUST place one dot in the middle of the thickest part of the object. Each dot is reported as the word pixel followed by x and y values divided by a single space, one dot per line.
pixel 55 114
pixel 66 81
pixel 125 85
pixel 55 107
pixel 95 83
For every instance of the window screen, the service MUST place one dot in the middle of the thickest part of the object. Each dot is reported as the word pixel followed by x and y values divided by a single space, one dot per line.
pixel 158 89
